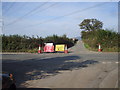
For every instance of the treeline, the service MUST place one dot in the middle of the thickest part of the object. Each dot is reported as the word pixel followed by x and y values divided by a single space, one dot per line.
pixel 108 40
pixel 17 43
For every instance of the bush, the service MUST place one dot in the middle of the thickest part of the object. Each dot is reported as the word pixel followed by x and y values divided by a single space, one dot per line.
pixel 108 39
pixel 17 43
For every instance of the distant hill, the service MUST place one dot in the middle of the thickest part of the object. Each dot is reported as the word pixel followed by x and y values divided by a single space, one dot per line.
pixel 79 38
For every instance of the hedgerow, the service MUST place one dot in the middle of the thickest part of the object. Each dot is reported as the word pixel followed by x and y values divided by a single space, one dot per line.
pixel 108 39
pixel 17 43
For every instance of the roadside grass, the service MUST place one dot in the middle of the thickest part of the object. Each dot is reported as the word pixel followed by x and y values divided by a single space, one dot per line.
pixel 114 49
pixel 33 50
pixel 108 39
pixel 26 51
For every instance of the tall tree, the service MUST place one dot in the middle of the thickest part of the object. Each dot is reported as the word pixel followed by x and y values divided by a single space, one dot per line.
pixel 91 24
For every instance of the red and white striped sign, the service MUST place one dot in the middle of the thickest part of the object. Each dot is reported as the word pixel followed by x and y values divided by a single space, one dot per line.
pixel 49 47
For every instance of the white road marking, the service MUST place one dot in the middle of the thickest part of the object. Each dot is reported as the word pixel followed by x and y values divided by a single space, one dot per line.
pixel 109 62
pixel 83 68
pixel 116 62
pixel 104 62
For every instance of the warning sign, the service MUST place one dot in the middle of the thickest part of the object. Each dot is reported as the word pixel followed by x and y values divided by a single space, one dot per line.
pixel 49 47
pixel 59 47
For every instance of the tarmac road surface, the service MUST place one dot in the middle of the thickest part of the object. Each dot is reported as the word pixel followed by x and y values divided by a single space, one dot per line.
pixel 80 68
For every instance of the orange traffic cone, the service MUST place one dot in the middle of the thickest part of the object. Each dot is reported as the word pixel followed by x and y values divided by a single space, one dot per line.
pixel 66 50
pixel 39 50
pixel 99 48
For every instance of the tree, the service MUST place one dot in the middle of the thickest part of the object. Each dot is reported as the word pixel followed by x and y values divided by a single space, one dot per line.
pixel 91 24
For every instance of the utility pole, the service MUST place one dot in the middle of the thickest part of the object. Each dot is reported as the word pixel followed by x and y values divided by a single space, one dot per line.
pixel 1 19
pixel 1 26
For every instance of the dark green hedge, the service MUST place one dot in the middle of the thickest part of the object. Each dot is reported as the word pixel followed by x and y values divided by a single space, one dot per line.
pixel 109 40
pixel 17 43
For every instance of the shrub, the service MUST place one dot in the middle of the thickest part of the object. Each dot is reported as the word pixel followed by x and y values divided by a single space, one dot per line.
pixel 108 39
pixel 17 43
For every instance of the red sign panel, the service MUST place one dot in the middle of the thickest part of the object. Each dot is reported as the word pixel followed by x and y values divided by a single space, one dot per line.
pixel 48 48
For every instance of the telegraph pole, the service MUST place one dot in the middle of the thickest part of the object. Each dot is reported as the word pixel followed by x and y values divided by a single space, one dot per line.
pixel 1 26
pixel 1 20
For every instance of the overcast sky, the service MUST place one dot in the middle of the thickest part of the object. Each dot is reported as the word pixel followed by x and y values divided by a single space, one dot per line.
pixel 48 18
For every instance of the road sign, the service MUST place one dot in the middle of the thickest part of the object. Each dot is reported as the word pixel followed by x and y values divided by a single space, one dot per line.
pixel 49 47
pixel 60 47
